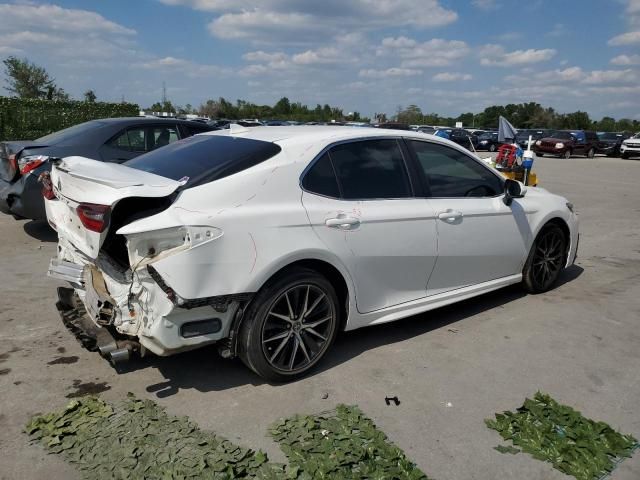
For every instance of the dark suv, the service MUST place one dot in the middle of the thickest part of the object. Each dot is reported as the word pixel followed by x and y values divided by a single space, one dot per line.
pixel 610 142
pixel 564 143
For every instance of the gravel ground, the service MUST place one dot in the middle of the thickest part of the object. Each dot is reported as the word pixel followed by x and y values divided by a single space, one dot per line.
pixel 450 368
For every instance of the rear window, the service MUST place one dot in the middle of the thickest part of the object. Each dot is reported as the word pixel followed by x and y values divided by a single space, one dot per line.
pixel 64 135
pixel 205 158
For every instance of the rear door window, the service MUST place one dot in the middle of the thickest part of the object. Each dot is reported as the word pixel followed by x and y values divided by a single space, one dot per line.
pixel 144 138
pixel 371 169
pixel 321 179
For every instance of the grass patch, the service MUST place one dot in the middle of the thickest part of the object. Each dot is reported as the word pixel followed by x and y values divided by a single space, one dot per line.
pixel 137 439
pixel 342 444
pixel 558 434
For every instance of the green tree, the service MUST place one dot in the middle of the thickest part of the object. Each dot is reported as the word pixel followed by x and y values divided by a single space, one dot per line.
pixel 411 115
pixel 90 96
pixel 27 80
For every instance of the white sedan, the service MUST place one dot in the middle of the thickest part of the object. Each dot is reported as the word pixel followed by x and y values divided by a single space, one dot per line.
pixel 269 241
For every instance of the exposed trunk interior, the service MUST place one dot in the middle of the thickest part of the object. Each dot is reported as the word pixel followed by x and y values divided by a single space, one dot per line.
pixel 126 211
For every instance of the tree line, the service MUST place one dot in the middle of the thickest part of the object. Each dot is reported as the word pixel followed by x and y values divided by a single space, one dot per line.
pixel 26 80
pixel 522 115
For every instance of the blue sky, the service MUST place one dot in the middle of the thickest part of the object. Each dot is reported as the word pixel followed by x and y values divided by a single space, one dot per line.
pixel 445 56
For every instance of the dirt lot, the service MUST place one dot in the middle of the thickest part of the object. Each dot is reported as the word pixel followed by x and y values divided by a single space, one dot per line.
pixel 450 368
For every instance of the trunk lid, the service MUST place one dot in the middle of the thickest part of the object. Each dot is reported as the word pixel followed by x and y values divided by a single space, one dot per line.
pixel 9 153
pixel 79 181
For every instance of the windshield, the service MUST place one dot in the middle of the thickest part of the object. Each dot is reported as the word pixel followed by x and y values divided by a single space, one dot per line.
pixel 204 158
pixel 637 135
pixel 67 133
pixel 561 135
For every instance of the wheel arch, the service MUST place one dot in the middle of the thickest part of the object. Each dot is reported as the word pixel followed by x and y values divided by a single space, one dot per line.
pixel 564 226
pixel 338 277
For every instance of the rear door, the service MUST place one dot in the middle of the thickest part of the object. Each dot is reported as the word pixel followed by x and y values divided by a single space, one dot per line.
pixel 479 237
pixel 361 204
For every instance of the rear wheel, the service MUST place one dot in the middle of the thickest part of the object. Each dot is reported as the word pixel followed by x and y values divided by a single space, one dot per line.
pixel 591 153
pixel 567 154
pixel 290 325
pixel 546 259
pixel 492 148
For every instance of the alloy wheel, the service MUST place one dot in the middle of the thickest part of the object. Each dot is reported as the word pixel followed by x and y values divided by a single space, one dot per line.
pixel 547 258
pixel 298 328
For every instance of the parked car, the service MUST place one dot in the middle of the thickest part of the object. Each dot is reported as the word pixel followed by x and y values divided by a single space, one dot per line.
pixel 461 137
pixel 630 147
pixel 609 143
pixel 270 241
pixel 488 141
pixel 109 140
pixel 522 137
pixel 564 143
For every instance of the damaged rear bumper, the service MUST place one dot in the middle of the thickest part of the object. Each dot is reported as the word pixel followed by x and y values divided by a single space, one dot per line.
pixel 137 307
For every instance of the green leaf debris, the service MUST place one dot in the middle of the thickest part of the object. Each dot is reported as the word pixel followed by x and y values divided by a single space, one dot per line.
pixel 558 434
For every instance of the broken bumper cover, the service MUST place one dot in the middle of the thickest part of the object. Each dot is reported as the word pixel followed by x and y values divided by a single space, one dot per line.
pixel 137 307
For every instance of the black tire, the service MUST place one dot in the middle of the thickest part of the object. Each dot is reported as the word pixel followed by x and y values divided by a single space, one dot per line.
pixel 540 154
pixel 292 347
pixel 567 154
pixel 625 155
pixel 591 153
pixel 492 148
pixel 546 259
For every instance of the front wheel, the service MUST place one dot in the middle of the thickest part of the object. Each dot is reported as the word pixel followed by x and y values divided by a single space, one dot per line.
pixel 540 154
pixel 625 156
pixel 492 148
pixel 567 154
pixel 546 259
pixel 591 153
pixel 290 325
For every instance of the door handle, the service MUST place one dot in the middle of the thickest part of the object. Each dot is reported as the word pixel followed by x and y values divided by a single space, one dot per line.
pixel 344 223
pixel 450 216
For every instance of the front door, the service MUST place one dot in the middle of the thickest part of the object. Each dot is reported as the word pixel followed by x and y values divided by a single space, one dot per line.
pixel 360 203
pixel 479 237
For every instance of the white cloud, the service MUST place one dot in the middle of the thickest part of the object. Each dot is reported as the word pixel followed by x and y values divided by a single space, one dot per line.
pixel 60 19
pixel 278 21
pixel 573 76
pixel 260 56
pixel 496 55
pixel 629 38
pixel 611 76
pixel 626 60
pixel 389 72
pixel 451 77
pixel 485 4
pixel 319 56
pixel 436 52
pixel 184 67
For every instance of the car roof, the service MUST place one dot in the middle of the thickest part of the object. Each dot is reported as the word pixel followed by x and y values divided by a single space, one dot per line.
pixel 297 135
pixel 125 120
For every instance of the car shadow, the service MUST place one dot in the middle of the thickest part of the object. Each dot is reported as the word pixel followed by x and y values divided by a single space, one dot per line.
pixel 40 230
pixel 205 371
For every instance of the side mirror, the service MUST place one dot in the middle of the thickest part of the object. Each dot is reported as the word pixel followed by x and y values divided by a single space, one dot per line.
pixel 513 189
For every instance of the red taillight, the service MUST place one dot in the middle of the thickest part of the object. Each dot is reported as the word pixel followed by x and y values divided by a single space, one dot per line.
pixel 94 217
pixel 30 165
pixel 47 186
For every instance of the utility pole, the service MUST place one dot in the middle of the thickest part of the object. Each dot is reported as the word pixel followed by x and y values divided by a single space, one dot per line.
pixel 164 93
